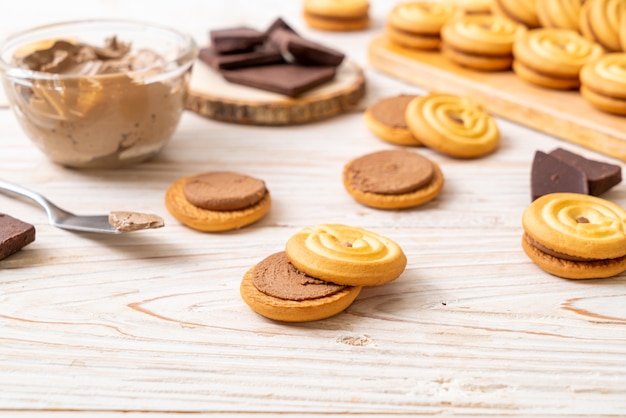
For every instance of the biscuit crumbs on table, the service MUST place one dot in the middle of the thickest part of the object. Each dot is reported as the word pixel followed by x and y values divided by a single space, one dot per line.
pixel 393 179
pixel 217 201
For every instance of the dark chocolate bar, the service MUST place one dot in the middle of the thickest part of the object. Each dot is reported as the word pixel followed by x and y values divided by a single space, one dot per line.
pixel 262 56
pixel 551 175
pixel 14 235
pixel 279 24
pixel 303 51
pixel 600 176
pixel 240 39
pixel 288 79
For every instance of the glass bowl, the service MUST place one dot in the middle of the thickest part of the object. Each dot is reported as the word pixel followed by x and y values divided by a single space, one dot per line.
pixel 86 119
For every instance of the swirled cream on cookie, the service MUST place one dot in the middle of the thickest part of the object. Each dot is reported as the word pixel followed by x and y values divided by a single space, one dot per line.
pixel 575 236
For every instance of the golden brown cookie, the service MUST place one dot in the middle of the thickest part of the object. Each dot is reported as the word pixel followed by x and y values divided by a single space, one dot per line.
pixel 600 22
pixel 337 15
pixel 604 83
pixel 395 179
pixel 553 58
pixel 346 255
pixel 417 24
pixel 472 7
pixel 560 14
pixel 217 201
pixel 276 289
pixel 575 236
pixel 386 120
pixel 481 42
pixel 453 125
pixel 520 11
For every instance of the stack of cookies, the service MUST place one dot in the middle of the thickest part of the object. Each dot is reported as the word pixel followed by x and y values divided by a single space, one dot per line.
pixel 320 273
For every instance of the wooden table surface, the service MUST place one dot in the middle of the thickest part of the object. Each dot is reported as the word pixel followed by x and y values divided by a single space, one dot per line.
pixel 152 324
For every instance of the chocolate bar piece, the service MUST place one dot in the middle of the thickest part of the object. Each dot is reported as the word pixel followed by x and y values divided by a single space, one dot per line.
pixel 14 235
pixel 279 24
pixel 288 79
pixel 257 57
pixel 303 51
pixel 236 39
pixel 600 176
pixel 551 175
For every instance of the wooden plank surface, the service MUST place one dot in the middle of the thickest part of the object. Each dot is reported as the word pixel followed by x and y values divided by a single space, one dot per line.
pixel 152 325
pixel 563 114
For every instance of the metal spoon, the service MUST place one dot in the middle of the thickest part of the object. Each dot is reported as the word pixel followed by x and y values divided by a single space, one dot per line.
pixel 67 220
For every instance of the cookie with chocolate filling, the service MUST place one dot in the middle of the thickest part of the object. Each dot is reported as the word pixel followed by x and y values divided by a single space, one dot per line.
pixel 276 289
pixel 386 119
pixel 218 200
pixel 394 179
pixel 575 236
pixel 339 16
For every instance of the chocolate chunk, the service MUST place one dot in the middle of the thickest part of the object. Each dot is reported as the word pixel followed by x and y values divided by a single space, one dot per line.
pixel 14 235
pixel 223 190
pixel 303 51
pixel 257 57
pixel 279 24
pixel 551 175
pixel 288 79
pixel 600 176
pixel 276 276
pixel 236 39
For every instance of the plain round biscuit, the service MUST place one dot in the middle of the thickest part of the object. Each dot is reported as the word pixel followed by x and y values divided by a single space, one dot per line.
pixel 476 62
pixel 295 311
pixel 573 269
pixel 559 53
pixel 606 75
pixel 391 134
pixel 482 35
pixel 605 103
pixel 577 225
pixel 412 41
pixel 211 220
pixel 561 14
pixel 420 17
pixel 437 120
pixel 341 9
pixel 542 80
pixel 400 201
pixel 336 25
pixel 346 255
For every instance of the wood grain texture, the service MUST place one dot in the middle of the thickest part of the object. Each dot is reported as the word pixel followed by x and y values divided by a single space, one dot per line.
pixel 152 324
pixel 564 114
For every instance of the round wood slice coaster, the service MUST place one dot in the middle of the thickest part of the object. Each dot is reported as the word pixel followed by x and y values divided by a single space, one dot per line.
pixel 212 96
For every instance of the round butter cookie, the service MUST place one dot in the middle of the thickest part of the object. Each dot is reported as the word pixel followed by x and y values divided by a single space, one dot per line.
pixel 520 11
pixel 417 24
pixel 472 7
pixel 560 14
pixel 276 289
pixel 396 179
pixel 600 22
pixel 453 125
pixel 603 83
pixel 481 42
pixel 553 58
pixel 337 15
pixel 217 200
pixel 346 255
pixel 386 120
pixel 575 236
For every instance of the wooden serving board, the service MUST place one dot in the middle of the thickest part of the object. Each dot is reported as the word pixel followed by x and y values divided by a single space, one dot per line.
pixel 563 114
pixel 214 97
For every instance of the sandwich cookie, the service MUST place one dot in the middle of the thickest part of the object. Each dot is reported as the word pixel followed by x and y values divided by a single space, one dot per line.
pixel 276 289
pixel 337 15
pixel 603 83
pixel 575 236
pixel 600 22
pixel 395 179
pixel 523 12
pixel 417 24
pixel 453 125
pixel 218 200
pixel 560 14
pixel 386 119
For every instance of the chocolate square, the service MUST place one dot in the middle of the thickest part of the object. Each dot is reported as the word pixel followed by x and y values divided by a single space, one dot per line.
pixel 551 175
pixel 239 39
pixel 257 57
pixel 14 235
pixel 600 176
pixel 303 51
